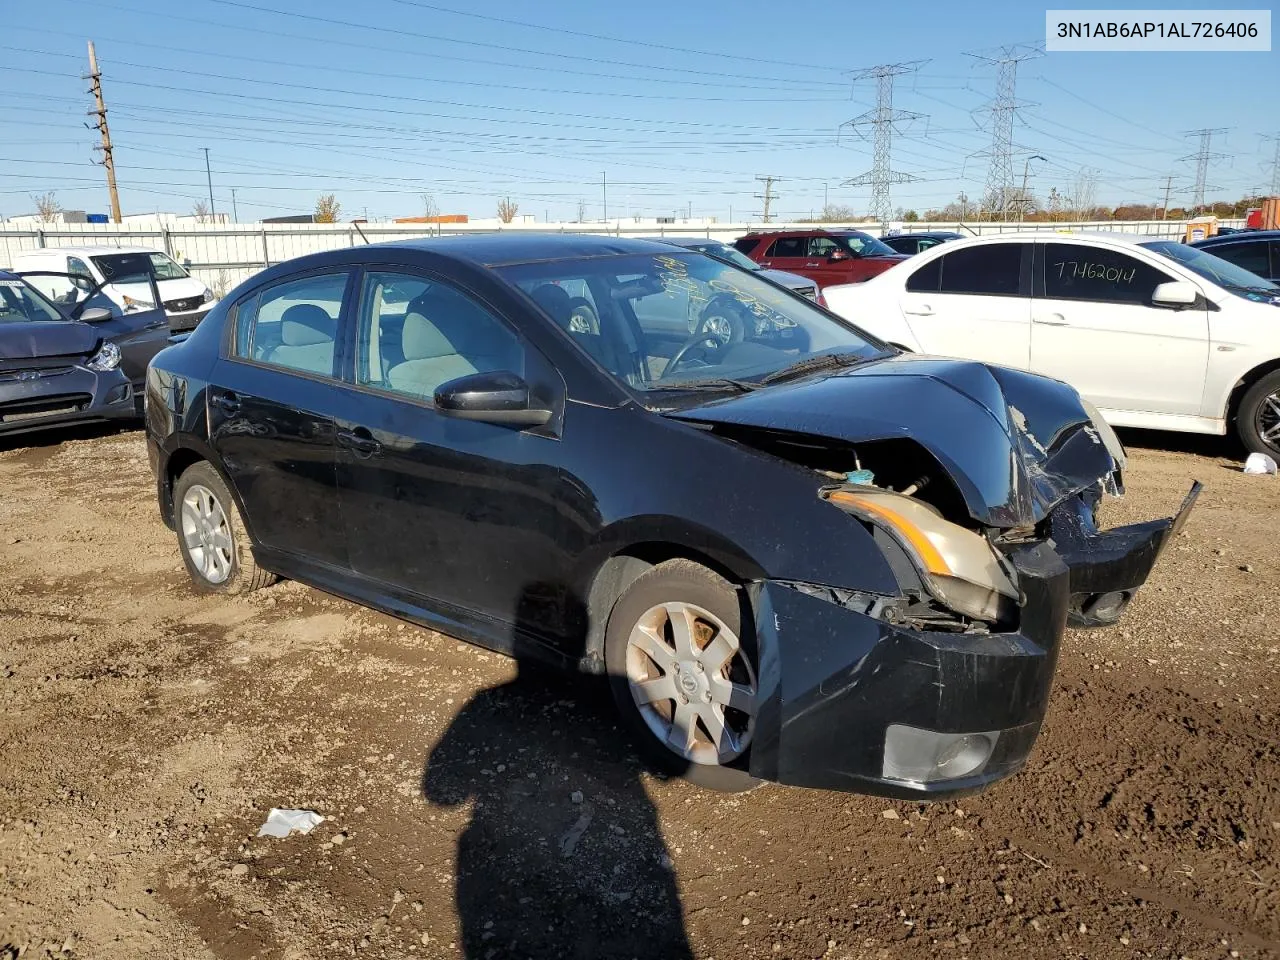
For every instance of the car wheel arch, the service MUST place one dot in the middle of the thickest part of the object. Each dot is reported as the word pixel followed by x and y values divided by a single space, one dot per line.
pixel 1242 385
pixel 181 459
pixel 611 578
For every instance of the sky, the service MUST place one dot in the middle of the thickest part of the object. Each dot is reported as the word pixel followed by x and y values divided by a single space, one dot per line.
pixel 652 109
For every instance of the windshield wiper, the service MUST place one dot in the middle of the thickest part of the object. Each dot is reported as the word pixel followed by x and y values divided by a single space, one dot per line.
pixel 718 384
pixel 825 361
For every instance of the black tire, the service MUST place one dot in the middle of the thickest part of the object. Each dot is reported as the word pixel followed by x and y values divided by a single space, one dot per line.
pixel 678 581
pixel 1253 415
pixel 243 575
pixel 723 314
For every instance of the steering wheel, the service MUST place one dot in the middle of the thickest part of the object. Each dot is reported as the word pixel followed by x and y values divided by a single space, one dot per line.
pixel 701 337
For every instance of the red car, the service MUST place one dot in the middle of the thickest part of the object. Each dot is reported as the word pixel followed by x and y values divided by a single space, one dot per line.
pixel 827 257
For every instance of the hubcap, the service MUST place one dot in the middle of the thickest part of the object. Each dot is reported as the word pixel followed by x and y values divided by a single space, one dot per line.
pixel 1268 421
pixel 694 687
pixel 206 534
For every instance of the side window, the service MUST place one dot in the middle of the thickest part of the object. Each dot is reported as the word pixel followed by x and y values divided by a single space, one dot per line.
pixel 745 244
pixel 1078 272
pixel 924 243
pixel 992 269
pixel 789 247
pixel 1250 256
pixel 927 279
pixel 416 334
pixel 78 268
pixel 293 324
pixel 822 247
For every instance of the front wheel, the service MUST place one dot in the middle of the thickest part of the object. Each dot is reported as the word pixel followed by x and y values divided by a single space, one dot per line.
pixel 681 667
pixel 211 536
pixel 1258 419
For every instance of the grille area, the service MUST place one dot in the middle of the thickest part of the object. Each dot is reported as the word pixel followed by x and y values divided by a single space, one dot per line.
pixel 33 373
pixel 183 305
pixel 49 406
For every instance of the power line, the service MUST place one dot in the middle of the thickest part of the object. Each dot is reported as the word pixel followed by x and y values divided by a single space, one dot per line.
pixel 1202 158
pixel 100 111
pixel 1275 163
pixel 883 120
pixel 1003 110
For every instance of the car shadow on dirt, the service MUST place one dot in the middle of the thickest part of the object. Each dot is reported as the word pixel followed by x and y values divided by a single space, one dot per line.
pixel 563 856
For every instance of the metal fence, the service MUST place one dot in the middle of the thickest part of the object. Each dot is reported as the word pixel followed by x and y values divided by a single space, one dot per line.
pixel 223 255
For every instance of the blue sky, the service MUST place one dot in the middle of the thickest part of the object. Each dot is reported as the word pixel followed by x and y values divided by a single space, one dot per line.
pixel 381 101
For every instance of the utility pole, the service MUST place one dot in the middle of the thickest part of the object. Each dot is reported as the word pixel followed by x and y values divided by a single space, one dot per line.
pixel 1202 157
pixel 108 160
pixel 1275 164
pixel 1023 201
pixel 604 195
pixel 213 218
pixel 1168 188
pixel 882 120
pixel 768 197
pixel 690 216
pixel 1004 109
pixel 235 214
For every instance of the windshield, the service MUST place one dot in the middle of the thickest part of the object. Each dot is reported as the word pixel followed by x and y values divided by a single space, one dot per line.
pixel 21 304
pixel 672 322
pixel 722 251
pixel 865 245
pixel 118 265
pixel 1236 279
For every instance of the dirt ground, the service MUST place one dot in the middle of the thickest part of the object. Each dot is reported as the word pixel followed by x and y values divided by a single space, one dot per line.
pixel 472 810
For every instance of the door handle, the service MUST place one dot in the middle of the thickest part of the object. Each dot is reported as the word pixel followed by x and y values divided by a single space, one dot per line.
pixel 921 310
pixel 228 403
pixel 813 264
pixel 1052 320
pixel 360 442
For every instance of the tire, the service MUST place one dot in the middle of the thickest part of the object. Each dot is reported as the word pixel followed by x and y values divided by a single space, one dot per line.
pixel 214 568
pixel 718 620
pixel 1259 411
pixel 722 320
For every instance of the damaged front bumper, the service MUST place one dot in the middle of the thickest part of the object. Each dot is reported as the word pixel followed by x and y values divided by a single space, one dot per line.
pixel 850 701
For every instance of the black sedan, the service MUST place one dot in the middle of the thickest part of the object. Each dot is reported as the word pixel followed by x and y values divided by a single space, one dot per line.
pixel 913 243
pixel 799 556
pixel 62 364
pixel 1257 251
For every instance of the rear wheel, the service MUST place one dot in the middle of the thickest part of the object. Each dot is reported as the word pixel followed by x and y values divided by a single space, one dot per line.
pixel 681 663
pixel 211 536
pixel 1258 419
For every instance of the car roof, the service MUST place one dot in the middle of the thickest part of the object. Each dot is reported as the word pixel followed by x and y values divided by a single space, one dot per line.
pixel 1238 237
pixel 829 231
pixel 497 249
pixel 689 242
pixel 1124 239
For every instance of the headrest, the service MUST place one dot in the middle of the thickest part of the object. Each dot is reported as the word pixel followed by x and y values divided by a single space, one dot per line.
pixel 305 324
pixel 555 301
pixel 422 339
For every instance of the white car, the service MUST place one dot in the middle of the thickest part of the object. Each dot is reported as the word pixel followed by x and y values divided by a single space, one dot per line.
pixel 1155 333
pixel 186 299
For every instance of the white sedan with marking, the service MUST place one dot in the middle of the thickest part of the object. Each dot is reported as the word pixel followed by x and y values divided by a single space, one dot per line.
pixel 1155 333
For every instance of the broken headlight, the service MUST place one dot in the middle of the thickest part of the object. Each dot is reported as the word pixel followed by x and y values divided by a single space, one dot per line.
pixel 107 358
pixel 959 568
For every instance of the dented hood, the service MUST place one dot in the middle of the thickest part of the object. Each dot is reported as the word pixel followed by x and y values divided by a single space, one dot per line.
pixel 46 338
pixel 1016 444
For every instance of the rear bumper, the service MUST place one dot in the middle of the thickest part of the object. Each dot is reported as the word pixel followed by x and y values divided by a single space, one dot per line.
pixel 851 702
pixel 76 396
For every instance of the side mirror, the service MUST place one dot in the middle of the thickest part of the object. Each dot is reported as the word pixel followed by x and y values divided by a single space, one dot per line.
pixel 95 315
pixel 838 255
pixel 1175 293
pixel 501 397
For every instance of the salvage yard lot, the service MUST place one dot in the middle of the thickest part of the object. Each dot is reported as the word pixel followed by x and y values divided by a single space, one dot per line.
pixel 145 732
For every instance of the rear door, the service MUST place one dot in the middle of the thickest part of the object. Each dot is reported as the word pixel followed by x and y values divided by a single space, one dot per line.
pixel 974 302
pixel 789 254
pixel 1094 326
pixel 273 398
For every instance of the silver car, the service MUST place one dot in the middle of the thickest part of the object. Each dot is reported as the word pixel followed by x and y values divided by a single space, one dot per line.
pixel 722 251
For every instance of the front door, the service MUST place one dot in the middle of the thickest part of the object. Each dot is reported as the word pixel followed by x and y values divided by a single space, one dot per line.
pixel 272 403
pixel 973 303
pixel 1094 326
pixel 459 511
